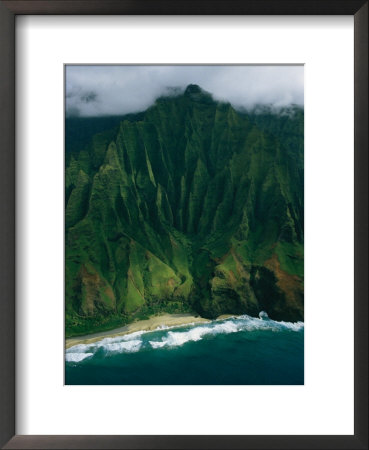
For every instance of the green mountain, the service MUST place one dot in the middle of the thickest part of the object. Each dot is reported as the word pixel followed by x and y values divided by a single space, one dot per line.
pixel 189 206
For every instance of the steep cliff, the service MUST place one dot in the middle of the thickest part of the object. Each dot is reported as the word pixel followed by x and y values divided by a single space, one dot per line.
pixel 189 206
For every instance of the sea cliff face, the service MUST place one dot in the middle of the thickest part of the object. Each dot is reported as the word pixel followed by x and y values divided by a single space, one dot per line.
pixel 190 206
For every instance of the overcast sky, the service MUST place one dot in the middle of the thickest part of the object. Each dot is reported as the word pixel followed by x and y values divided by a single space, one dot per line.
pixel 114 90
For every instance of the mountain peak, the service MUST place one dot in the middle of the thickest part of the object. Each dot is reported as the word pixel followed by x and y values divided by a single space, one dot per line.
pixel 193 89
pixel 196 94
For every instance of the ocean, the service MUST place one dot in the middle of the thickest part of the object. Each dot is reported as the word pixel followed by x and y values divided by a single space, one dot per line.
pixel 242 350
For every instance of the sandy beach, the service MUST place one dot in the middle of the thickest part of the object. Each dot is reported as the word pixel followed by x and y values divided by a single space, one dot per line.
pixel 154 322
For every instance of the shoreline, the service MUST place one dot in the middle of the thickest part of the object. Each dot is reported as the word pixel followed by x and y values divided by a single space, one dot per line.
pixel 150 324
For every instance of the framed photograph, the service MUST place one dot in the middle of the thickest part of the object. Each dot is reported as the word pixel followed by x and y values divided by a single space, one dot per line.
pixel 184 224
pixel 184 218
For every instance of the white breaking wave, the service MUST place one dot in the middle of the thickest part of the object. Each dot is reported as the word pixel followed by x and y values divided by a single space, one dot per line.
pixel 155 344
pixel 136 341
pixel 173 339
pixel 128 346
pixel 77 357
pixel 119 344
pixel 297 326
pixel 232 325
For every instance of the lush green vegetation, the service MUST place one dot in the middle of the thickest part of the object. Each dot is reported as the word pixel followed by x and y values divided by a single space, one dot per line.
pixel 190 206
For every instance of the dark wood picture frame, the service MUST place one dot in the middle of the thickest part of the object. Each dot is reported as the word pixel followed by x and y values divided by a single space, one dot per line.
pixel 8 12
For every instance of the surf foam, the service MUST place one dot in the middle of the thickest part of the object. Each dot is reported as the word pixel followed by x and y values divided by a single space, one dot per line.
pixel 77 357
pixel 168 337
pixel 232 325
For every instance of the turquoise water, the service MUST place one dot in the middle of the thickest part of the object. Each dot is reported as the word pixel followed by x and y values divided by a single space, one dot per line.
pixel 242 350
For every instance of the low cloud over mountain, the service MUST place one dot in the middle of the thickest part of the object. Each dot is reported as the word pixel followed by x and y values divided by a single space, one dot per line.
pixel 120 89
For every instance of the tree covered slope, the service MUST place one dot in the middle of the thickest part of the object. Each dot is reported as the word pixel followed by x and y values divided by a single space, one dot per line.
pixel 189 206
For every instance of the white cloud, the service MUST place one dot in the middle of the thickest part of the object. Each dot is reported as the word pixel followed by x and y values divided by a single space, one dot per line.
pixel 114 90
